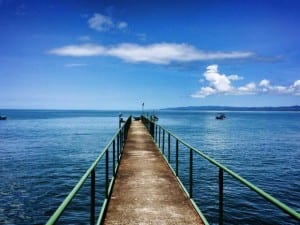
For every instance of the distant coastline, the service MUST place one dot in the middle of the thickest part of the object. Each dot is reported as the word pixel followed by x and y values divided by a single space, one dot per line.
pixel 232 108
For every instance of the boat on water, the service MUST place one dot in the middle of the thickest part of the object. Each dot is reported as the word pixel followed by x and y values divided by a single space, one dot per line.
pixel 220 116
pixel 153 118
pixel 3 117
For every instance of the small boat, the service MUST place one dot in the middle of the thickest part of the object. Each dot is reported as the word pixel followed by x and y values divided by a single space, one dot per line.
pixel 153 118
pixel 3 117
pixel 220 116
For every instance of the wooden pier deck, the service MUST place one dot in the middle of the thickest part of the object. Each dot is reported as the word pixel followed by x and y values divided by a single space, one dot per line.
pixel 146 191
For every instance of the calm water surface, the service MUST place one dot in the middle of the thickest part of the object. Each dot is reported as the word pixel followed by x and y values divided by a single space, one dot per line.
pixel 44 153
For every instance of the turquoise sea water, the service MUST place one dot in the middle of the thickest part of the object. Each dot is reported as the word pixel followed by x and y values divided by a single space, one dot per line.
pixel 44 153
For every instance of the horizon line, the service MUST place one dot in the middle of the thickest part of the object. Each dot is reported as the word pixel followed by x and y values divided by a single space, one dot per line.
pixel 153 109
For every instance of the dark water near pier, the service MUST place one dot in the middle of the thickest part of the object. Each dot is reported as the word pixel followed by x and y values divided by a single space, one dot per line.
pixel 43 154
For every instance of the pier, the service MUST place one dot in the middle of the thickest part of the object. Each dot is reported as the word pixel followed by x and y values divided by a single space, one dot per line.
pixel 140 175
pixel 146 191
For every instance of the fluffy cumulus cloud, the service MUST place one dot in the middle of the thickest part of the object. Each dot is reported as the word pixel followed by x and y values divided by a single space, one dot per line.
pixel 222 84
pixel 100 22
pixel 158 53
pixel 266 86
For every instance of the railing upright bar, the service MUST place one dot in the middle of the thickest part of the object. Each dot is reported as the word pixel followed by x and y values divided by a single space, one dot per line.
pixel 155 133
pixel 118 147
pixel 92 203
pixel 163 142
pixel 221 190
pixel 191 173
pixel 176 168
pixel 122 139
pixel 106 173
pixel 169 146
pixel 159 137
pixel 114 157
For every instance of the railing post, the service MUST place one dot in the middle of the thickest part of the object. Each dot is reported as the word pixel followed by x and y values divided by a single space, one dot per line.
pixel 151 128
pixel 191 173
pixel 169 146
pixel 92 204
pixel 159 137
pixel 163 142
pixel 221 172
pixel 121 146
pixel 176 168
pixel 118 147
pixel 106 173
pixel 155 130
pixel 114 157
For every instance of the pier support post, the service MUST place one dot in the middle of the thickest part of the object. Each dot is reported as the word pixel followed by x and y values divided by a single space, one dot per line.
pixel 191 173
pixel 106 174
pixel 176 168
pixel 169 146
pixel 92 204
pixel 114 157
pixel 221 172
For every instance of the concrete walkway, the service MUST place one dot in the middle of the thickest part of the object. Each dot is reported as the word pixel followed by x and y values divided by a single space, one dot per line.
pixel 146 191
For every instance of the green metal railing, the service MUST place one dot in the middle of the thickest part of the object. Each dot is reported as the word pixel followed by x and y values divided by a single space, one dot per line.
pixel 159 134
pixel 116 146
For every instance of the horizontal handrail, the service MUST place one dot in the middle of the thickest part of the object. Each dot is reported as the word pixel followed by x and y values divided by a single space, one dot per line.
pixel 120 136
pixel 153 127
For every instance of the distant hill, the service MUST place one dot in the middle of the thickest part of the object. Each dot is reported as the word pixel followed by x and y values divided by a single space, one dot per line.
pixel 231 108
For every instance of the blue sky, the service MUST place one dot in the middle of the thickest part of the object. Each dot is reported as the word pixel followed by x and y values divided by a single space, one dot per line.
pixel 119 54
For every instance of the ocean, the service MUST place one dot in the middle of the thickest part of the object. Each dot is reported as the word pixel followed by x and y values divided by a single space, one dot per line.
pixel 43 154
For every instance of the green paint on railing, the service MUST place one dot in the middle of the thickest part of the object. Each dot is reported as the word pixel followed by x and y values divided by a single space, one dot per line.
pixel 120 135
pixel 154 127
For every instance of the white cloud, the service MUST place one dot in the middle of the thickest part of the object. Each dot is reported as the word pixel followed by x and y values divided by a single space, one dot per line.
pixel 235 77
pixel 159 53
pixel 296 84
pixel 100 22
pixel 264 83
pixel 79 50
pixel 249 88
pixel 280 89
pixel 204 91
pixel 122 25
pixel 221 84
pixel 296 87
